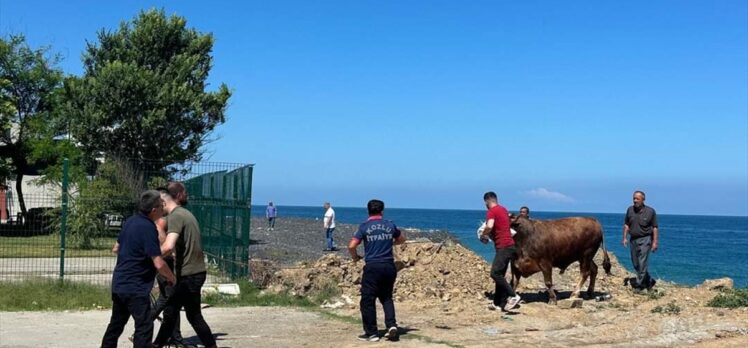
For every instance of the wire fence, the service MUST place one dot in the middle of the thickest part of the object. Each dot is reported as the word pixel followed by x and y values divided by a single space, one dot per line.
pixel 51 240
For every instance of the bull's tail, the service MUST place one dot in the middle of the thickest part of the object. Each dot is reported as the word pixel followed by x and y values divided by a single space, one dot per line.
pixel 606 258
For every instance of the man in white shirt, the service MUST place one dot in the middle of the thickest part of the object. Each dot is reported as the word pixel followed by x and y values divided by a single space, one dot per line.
pixel 329 225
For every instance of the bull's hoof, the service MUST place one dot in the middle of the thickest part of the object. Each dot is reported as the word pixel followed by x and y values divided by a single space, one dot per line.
pixel 552 302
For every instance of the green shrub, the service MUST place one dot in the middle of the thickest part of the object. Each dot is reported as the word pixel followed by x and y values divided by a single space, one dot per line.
pixel 730 298
pixel 670 309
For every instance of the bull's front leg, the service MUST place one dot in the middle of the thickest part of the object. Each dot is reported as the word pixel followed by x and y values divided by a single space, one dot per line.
pixel 548 278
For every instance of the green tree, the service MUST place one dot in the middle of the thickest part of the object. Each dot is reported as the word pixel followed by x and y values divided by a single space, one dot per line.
pixel 143 94
pixel 30 82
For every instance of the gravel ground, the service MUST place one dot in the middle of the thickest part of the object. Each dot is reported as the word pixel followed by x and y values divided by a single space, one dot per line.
pixel 294 239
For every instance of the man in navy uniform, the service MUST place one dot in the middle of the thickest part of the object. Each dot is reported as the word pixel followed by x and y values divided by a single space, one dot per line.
pixel 378 280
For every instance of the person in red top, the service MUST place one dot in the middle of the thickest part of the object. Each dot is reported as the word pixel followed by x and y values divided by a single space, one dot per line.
pixel 497 228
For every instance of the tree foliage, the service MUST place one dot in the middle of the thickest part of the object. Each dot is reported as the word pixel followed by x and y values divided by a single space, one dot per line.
pixel 30 86
pixel 143 94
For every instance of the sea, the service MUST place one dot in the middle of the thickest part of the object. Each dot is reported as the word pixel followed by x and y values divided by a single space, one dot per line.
pixel 692 247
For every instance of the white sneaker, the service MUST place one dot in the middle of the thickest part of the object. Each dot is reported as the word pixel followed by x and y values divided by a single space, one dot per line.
pixel 493 307
pixel 365 337
pixel 512 302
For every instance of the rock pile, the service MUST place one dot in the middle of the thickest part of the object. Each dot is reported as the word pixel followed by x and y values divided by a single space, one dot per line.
pixel 428 272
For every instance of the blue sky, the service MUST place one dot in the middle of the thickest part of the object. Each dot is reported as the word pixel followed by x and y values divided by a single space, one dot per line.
pixel 559 106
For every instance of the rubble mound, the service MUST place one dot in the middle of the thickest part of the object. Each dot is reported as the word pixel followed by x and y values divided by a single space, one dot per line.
pixel 427 271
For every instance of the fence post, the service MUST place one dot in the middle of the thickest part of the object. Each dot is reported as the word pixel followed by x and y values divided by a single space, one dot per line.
pixel 63 217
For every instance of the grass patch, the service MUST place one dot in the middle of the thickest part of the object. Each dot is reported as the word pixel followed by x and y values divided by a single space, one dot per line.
pixel 670 309
pixel 619 306
pixel 334 316
pixel 49 246
pixel 730 298
pixel 51 295
pixel 655 294
pixel 326 290
pixel 252 296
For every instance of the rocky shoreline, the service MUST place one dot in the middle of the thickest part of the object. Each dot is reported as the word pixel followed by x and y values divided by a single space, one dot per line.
pixel 295 240
pixel 443 288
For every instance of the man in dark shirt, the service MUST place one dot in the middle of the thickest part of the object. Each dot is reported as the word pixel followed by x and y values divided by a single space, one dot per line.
pixel 379 276
pixel 524 211
pixel 138 259
pixel 641 223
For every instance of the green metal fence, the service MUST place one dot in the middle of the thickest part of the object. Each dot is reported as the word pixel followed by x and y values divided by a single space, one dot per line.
pixel 70 236
pixel 220 201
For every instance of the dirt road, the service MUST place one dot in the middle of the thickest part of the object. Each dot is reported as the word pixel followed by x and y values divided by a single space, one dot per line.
pixel 255 327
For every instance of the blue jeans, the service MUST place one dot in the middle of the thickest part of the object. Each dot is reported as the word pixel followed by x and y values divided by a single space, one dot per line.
pixel 328 236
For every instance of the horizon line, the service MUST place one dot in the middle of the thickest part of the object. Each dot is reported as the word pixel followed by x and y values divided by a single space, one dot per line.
pixel 541 211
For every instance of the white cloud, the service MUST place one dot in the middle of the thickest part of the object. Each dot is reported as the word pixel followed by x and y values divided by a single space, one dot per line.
pixel 543 193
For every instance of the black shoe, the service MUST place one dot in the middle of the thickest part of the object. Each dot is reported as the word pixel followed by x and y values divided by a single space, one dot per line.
pixel 369 338
pixel 652 283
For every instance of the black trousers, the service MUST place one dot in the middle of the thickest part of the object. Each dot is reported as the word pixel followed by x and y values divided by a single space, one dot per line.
pixel 377 282
pixel 124 306
pixel 166 291
pixel 498 273
pixel 187 295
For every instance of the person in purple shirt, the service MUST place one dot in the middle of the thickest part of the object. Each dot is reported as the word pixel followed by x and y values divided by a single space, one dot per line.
pixel 271 212
pixel 378 280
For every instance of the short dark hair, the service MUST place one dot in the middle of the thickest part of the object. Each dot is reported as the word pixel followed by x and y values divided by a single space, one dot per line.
pixel 489 195
pixel 375 207
pixel 642 193
pixel 148 201
pixel 523 207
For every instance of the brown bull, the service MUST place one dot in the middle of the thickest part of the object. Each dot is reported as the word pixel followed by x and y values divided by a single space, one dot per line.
pixel 544 244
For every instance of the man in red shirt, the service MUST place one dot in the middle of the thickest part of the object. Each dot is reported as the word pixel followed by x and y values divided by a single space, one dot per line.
pixel 497 229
